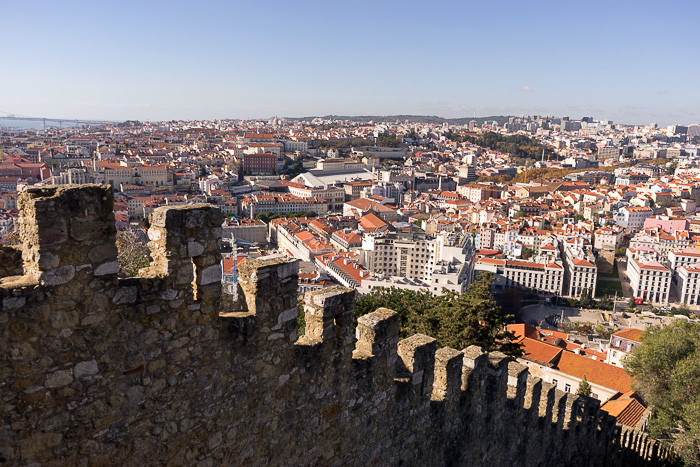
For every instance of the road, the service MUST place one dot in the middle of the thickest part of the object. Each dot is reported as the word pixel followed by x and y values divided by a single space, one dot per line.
pixel 534 314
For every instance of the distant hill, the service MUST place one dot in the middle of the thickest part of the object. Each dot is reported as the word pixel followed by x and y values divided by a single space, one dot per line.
pixel 501 119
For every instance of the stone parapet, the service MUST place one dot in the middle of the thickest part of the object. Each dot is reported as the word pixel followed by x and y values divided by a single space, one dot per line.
pixel 150 370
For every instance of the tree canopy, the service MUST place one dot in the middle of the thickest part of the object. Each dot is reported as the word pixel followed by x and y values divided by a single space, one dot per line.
pixel 584 387
pixel 457 321
pixel 519 146
pixel 666 370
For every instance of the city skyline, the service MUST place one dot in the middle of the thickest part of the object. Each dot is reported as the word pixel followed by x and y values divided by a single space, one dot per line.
pixel 632 63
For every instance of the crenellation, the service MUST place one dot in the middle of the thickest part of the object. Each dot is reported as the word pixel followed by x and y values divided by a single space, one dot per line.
pixel 328 317
pixel 68 233
pixel 570 408
pixel 148 370
pixel 448 376
pixel 559 409
pixel 533 394
pixel 417 363
pixel 497 380
pixel 185 247
pixel 377 335
pixel 517 382
pixel 270 293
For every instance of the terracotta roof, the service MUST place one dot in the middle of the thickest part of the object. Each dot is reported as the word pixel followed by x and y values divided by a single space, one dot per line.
pixel 630 334
pixel 370 222
pixel 652 265
pixel 491 261
pixel 487 252
pixel 626 409
pixel 539 352
pixel 595 371
pixel 523 330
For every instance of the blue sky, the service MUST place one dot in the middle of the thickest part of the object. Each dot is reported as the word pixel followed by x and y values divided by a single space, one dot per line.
pixel 629 61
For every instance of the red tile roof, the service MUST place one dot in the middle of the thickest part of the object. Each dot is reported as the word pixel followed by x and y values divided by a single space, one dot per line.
pixel 595 371
pixel 539 352
pixel 630 334
pixel 627 409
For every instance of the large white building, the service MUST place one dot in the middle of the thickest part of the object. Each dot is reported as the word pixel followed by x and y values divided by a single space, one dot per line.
pixel 685 257
pixel 580 270
pixel 689 284
pixel 281 203
pixel 648 278
pixel 608 238
pixel 541 278
pixel 335 196
pixel 443 260
pixel 632 217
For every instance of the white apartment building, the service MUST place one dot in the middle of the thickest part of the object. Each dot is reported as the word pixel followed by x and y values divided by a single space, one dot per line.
pixel 648 278
pixel 632 217
pixel 679 258
pixel 442 260
pixel 281 203
pixel 117 174
pixel 335 196
pixel 580 270
pixel 293 146
pixel 661 241
pixel 542 278
pixel 689 284
pixel 608 238
pixel 447 275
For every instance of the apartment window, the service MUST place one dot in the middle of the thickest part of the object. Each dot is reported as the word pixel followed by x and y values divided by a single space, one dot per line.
pixel 554 382
pixel 567 387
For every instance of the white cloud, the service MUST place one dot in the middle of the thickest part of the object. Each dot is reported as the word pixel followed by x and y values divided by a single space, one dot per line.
pixel 526 88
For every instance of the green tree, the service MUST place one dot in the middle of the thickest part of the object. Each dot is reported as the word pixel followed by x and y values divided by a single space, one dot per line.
pixel 455 320
pixel 671 167
pixel 390 141
pixel 630 302
pixel 584 387
pixel 586 299
pixel 603 331
pixel 666 371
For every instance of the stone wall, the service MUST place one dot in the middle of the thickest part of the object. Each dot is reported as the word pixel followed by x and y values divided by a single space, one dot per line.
pixel 605 261
pixel 97 370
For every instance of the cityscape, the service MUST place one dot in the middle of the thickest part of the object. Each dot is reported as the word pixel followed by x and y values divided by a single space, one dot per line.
pixel 350 234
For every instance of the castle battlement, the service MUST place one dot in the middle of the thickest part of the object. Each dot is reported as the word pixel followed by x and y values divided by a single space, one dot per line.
pixel 98 370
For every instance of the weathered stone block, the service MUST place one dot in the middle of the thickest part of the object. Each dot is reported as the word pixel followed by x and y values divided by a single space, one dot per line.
pixel 107 268
pixel 87 368
pixel 210 275
pixel 102 253
pixel 59 378
pixel 58 276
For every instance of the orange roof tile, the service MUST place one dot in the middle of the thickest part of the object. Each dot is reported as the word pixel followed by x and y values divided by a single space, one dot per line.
pixel 630 334
pixel 595 371
pixel 627 409
pixel 539 352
